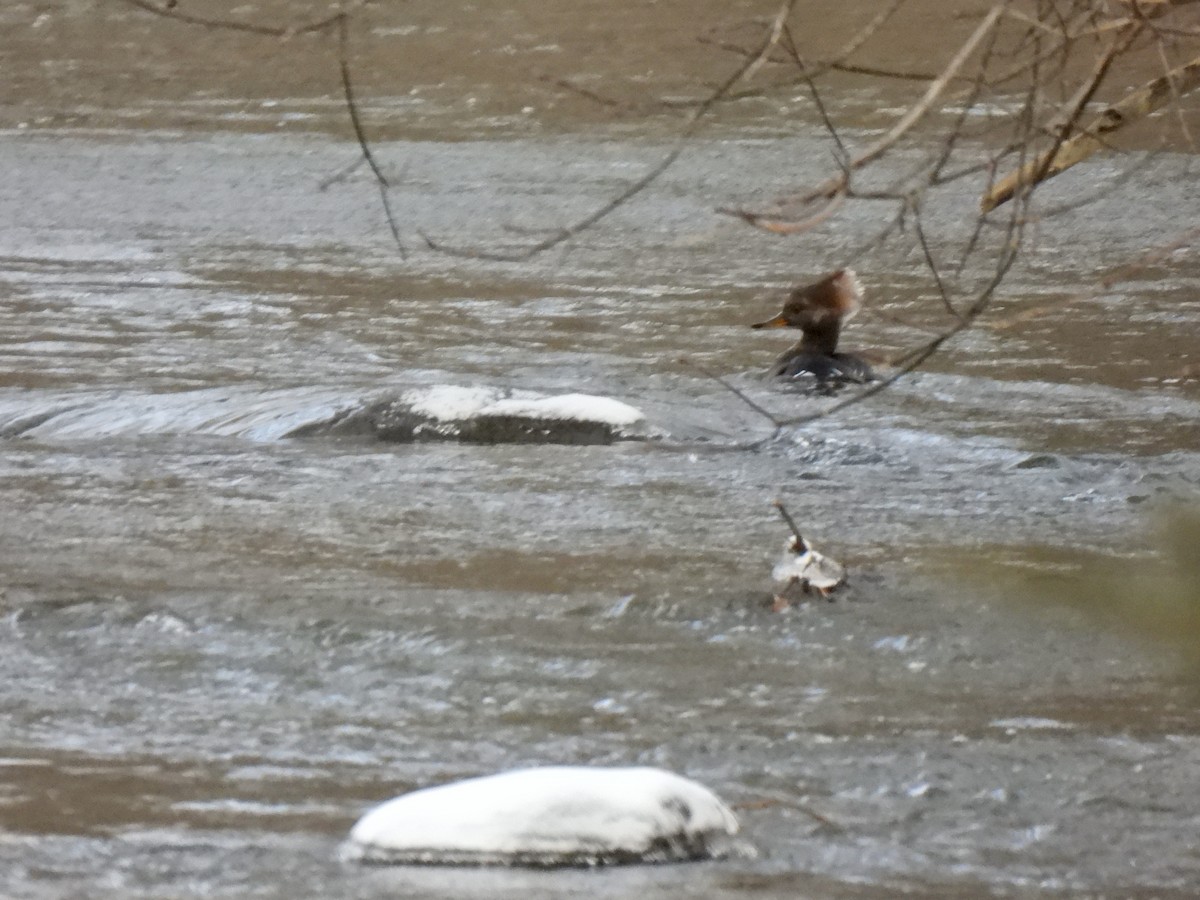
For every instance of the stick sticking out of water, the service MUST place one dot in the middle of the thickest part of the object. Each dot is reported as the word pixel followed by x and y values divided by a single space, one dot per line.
pixel 801 546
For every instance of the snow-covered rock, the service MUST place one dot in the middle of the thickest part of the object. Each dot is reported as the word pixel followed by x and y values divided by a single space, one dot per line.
pixel 488 415
pixel 568 407
pixel 552 816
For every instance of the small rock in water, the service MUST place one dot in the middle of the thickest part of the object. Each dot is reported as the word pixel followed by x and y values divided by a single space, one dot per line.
pixel 803 565
pixel 1039 461
pixel 546 817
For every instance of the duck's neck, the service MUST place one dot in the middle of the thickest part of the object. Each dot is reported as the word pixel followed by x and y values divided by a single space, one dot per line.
pixel 821 338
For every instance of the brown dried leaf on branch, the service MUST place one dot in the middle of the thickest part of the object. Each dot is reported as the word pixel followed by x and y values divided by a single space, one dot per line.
pixel 1045 62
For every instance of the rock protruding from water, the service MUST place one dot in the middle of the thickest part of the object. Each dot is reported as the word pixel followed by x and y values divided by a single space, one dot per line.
pixel 488 416
pixel 548 817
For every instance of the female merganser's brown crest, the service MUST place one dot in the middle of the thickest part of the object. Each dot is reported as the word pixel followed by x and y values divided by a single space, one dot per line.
pixel 818 310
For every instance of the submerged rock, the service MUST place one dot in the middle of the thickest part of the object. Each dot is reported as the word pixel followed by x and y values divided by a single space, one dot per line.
pixel 488 416
pixel 553 816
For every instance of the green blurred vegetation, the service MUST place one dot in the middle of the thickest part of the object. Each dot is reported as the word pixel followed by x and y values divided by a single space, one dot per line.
pixel 1151 594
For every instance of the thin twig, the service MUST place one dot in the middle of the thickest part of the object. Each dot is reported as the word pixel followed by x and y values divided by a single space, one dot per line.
pixel 338 20
pixel 819 66
pixel 586 92
pixel 381 181
pixel 773 36
pixel 830 188
pixel 843 153
pixel 1068 152
pixel 1114 277
pixel 570 231
pixel 859 38
pixel 919 355
pixel 341 174
pixel 1176 95
pixel 791 523
pixel 915 206
pixel 768 802
pixel 787 226
pixel 741 395
pixel 925 104
pixel 280 31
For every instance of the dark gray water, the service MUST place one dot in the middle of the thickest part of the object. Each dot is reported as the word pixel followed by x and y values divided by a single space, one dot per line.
pixel 218 645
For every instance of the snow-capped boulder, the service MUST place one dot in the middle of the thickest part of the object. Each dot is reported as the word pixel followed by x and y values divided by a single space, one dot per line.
pixel 552 816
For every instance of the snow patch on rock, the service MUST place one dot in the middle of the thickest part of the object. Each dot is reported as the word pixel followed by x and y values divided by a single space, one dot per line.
pixel 552 816
pixel 568 407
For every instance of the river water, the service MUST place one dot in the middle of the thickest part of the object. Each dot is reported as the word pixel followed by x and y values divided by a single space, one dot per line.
pixel 219 644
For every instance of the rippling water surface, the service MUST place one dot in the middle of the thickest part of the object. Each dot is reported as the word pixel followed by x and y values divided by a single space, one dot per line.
pixel 219 644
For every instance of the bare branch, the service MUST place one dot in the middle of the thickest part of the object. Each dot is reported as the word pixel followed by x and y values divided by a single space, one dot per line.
pixel 791 523
pixel 777 26
pixel 818 66
pixel 570 231
pixel 352 107
pixel 1114 277
pixel 741 395
pixel 779 225
pixel 921 108
pixel 170 11
pixel 929 261
pixel 1182 119
pixel 1058 159
pixel 865 33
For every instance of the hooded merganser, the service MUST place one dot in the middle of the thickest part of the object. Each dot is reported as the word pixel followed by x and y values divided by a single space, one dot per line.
pixel 818 310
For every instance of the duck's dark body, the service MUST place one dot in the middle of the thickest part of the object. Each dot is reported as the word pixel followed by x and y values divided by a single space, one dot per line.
pixel 818 311
pixel 824 367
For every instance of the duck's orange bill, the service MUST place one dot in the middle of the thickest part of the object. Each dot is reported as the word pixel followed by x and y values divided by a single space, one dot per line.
pixel 778 322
